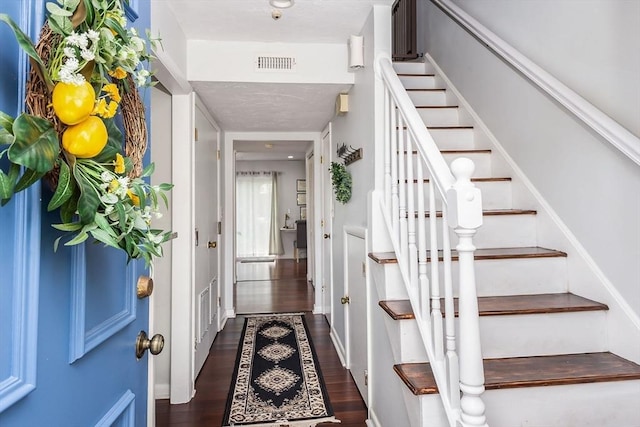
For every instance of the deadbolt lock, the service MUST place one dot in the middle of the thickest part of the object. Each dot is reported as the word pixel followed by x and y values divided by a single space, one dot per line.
pixel 144 287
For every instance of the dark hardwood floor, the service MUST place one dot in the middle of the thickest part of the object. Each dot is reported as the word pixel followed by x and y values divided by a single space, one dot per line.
pixel 264 288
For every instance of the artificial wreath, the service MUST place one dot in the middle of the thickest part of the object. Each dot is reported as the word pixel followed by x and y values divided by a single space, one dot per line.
pixel 85 71
pixel 341 180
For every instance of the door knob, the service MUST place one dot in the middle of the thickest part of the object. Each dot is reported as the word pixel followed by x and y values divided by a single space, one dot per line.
pixel 212 245
pixel 144 287
pixel 143 343
pixel 345 300
pixel 327 236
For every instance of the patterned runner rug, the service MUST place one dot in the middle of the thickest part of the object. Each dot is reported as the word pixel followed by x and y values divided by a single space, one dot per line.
pixel 277 379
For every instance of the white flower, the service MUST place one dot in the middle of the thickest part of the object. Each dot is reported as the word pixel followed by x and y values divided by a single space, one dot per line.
pixel 71 64
pixel 74 39
pixel 137 44
pixel 83 41
pixel 69 77
pixel 124 182
pixel 69 52
pixel 141 77
pixel 93 35
pixel 87 55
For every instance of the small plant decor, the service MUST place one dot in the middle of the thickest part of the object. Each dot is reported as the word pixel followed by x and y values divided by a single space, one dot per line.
pixel 84 72
pixel 341 180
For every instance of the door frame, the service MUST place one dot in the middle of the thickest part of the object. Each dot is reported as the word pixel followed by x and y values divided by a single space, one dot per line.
pixel 228 278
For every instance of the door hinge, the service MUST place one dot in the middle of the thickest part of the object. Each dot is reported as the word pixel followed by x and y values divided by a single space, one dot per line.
pixel 322 223
pixel 364 268
pixel 321 159
pixel 219 301
pixel 366 377
pixel 195 134
pixel 219 227
pixel 218 154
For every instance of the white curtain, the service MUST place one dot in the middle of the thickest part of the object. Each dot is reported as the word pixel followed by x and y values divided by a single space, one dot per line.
pixel 253 214
pixel 275 239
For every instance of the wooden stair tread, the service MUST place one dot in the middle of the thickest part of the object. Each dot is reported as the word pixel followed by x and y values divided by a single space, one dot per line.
pixel 532 371
pixel 440 89
pixel 479 179
pixel 482 254
pixel 416 74
pixel 489 212
pixel 459 151
pixel 508 305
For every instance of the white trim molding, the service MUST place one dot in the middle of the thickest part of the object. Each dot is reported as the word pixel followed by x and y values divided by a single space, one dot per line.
pixel 601 123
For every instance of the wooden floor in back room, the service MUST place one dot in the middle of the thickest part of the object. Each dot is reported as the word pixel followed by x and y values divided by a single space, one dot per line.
pixel 265 287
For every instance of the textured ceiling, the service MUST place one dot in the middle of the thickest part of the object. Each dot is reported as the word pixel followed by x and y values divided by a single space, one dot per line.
pixel 308 21
pixel 268 107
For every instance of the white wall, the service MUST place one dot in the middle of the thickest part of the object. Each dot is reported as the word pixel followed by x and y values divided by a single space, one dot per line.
pixel 592 46
pixel 291 170
pixel 315 63
pixel 590 185
pixel 363 127
pixel 161 297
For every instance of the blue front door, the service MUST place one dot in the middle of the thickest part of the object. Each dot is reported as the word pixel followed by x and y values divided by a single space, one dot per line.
pixel 68 319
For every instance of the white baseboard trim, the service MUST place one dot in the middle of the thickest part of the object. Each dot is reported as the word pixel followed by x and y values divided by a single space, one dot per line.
pixel 342 354
pixel 373 420
pixel 162 391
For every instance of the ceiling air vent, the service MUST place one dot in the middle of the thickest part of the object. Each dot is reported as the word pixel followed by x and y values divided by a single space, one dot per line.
pixel 275 63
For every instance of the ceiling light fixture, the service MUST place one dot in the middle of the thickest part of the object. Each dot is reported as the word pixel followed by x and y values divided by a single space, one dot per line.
pixel 281 4
pixel 289 157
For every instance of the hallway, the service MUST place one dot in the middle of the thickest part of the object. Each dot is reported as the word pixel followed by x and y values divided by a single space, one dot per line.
pixel 278 286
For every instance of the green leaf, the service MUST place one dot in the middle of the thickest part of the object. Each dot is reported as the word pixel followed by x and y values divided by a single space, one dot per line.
pixel 81 237
pixel 69 208
pixel 64 190
pixel 103 224
pixel 60 25
pixel 165 187
pixel 148 170
pixel 114 25
pixel 114 143
pixel 6 122
pixel 6 137
pixel 6 186
pixel 36 146
pixel 26 45
pixel 88 202
pixel 56 243
pixel 105 238
pixel 29 178
pixel 56 10
pixel 72 226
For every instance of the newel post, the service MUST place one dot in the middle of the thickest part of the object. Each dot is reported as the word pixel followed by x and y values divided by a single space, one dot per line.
pixel 465 217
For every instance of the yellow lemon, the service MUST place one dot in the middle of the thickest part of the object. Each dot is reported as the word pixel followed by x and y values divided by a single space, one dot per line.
pixel 73 103
pixel 86 139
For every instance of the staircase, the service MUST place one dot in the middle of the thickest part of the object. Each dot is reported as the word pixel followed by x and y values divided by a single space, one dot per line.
pixel 546 359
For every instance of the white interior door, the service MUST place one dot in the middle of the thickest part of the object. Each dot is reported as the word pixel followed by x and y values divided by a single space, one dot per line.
pixel 356 310
pixel 310 221
pixel 327 221
pixel 205 235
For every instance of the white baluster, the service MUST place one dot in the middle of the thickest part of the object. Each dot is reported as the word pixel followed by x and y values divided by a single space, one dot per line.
pixel 436 312
pixel 411 225
pixel 402 193
pixel 387 154
pixel 395 216
pixel 465 216
pixel 452 361
pixel 423 280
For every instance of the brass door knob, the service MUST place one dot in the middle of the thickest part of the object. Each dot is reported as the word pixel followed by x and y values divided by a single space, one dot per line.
pixel 327 236
pixel 212 245
pixel 345 300
pixel 143 343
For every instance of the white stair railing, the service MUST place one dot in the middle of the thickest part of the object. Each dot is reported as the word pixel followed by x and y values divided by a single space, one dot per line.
pixel 419 190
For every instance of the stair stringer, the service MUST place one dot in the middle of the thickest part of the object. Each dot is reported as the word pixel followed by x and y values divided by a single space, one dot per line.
pixel 585 278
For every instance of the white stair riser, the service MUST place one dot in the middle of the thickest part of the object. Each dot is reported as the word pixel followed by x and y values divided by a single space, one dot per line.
pixel 425 410
pixel 413 68
pixel 453 139
pixel 439 116
pixel 388 281
pixel 526 276
pixel 495 195
pixel 604 404
pixel 428 97
pixel 405 339
pixel 499 231
pixel 482 162
pixel 543 334
pixel 420 82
